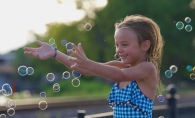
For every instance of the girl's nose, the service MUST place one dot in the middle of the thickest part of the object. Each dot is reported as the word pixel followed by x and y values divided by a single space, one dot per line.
pixel 118 50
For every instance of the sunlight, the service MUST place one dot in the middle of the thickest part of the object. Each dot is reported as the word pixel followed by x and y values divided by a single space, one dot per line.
pixel 21 16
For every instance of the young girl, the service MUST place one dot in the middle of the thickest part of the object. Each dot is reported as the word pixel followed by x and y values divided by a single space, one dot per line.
pixel 139 45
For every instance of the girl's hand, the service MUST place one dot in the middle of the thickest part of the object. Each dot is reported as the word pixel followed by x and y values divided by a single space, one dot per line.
pixel 44 52
pixel 80 60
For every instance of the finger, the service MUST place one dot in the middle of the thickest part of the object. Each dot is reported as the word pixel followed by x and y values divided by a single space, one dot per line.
pixel 80 48
pixel 72 52
pixel 72 59
pixel 75 47
pixel 39 42
pixel 27 53
pixel 30 49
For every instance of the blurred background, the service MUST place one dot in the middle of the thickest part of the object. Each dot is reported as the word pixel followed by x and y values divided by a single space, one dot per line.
pixel 90 22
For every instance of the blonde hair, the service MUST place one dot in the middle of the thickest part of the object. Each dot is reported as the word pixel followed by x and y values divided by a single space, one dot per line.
pixel 146 29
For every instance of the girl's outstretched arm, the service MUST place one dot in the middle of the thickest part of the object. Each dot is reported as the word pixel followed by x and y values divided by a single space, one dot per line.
pixel 45 51
pixel 140 71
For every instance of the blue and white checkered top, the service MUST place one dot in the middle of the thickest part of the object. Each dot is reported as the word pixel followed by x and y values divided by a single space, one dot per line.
pixel 130 102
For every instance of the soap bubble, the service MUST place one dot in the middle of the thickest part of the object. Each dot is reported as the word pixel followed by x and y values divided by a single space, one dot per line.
pixel 30 70
pixel 42 94
pixel 173 68
pixel 189 68
pixel 56 87
pixel 179 25
pixel 50 77
pixel 63 42
pixel 168 73
pixel 6 89
pixel 22 70
pixel 75 82
pixel 187 19
pixel 2 116
pixel 43 105
pixel 51 41
pixel 76 74
pixel 116 57
pixel 87 26
pixel 160 98
pixel 65 75
pixel 188 28
pixel 10 111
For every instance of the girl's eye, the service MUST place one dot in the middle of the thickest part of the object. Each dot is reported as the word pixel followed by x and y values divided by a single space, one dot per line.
pixel 125 44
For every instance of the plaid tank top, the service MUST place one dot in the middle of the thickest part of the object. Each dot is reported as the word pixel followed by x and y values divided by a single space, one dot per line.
pixel 130 102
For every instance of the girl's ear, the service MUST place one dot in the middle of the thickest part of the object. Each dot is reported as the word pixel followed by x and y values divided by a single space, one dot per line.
pixel 145 45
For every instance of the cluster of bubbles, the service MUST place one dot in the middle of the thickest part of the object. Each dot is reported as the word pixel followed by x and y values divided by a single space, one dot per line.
pixel 190 68
pixel 10 104
pixel 76 75
pixel 52 43
pixel 188 27
pixel 23 70
pixel 76 81
pixel 172 69
pixel 43 104
pixel 168 74
pixel 51 77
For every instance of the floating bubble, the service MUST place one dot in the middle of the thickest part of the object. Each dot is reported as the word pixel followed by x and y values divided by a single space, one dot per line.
pixel 168 73
pixel 2 116
pixel 116 57
pixel 63 42
pixel 65 75
pixel 56 87
pixel 179 25
pixel 189 68
pixel 192 76
pixel 10 111
pixel 42 94
pixel 7 90
pixel 160 98
pixel 22 70
pixel 51 41
pixel 69 45
pixel 193 69
pixel 187 19
pixel 53 45
pixel 7 102
pixel 87 26
pixel 75 82
pixel 160 117
pixel 43 105
pixel 30 70
pixel 50 77
pixel 76 74
pixel 11 103
pixel 188 28
pixel 173 68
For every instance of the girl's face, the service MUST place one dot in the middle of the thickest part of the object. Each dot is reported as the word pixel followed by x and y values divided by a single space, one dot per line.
pixel 127 46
